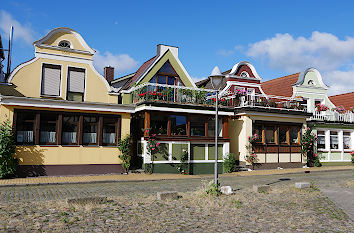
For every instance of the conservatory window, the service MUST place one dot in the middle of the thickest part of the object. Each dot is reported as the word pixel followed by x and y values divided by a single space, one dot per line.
pixel 321 140
pixel 25 127
pixel 294 134
pixel 334 140
pixel 70 128
pixel 109 131
pixel 47 128
pixel 258 129
pixel 346 140
pixel 211 127
pixel 90 130
pixel 197 127
pixel 283 135
pixel 159 124
pixel 178 125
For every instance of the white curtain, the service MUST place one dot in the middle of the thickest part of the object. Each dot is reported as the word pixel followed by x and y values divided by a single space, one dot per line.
pixel 24 136
pixel 69 137
pixel 90 137
pixel 109 138
pixel 47 136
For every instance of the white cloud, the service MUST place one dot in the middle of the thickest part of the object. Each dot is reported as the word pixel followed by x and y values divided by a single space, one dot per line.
pixel 224 52
pixel 121 62
pixel 197 79
pixel 21 31
pixel 339 81
pixel 332 56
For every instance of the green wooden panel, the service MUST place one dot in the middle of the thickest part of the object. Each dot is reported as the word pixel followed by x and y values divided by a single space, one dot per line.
pixel 211 150
pixel 177 150
pixel 197 151
pixel 195 168
pixel 336 156
pixel 162 153
pixel 347 156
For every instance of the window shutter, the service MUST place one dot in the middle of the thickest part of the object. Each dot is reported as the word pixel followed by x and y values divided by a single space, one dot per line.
pixel 51 80
pixel 76 80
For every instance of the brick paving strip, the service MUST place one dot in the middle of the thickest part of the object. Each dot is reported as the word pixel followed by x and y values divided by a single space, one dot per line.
pixel 147 177
pixel 343 197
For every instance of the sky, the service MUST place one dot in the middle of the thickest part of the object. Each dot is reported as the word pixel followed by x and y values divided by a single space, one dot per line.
pixel 278 37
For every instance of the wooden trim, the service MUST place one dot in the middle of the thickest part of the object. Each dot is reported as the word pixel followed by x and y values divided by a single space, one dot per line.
pixel 288 136
pixel 146 123
pixel 263 134
pixel 100 130
pixel 188 126
pixel 206 126
pixel 14 127
pixel 59 128
pixel 276 135
pixel 225 129
pixel 80 130
pixel 118 129
pixel 169 125
pixel 36 128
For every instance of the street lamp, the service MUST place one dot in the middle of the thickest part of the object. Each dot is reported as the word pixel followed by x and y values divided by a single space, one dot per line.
pixel 216 78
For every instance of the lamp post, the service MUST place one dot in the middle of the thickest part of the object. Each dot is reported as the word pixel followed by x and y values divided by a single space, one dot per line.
pixel 216 78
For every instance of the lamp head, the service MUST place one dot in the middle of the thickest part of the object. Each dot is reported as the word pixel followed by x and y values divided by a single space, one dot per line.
pixel 216 77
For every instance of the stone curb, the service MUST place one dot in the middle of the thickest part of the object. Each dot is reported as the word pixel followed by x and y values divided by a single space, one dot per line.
pixel 160 179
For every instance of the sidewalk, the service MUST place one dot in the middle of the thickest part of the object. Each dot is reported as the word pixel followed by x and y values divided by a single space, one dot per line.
pixel 45 180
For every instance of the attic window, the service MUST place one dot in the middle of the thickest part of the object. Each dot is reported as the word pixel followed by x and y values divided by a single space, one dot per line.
pixel 244 74
pixel 64 44
pixel 310 82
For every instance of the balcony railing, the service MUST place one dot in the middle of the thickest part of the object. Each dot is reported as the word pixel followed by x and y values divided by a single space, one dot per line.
pixel 334 116
pixel 151 92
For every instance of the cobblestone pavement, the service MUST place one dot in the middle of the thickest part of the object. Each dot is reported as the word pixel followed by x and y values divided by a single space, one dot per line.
pixel 60 192
pixel 133 206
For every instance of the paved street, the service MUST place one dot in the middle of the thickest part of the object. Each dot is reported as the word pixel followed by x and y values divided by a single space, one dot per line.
pixel 133 206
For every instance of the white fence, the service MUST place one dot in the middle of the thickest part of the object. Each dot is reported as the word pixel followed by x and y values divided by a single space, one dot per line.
pixel 334 116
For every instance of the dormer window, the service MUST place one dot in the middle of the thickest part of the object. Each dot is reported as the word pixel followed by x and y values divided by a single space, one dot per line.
pixel 64 44
pixel 244 74
pixel 310 83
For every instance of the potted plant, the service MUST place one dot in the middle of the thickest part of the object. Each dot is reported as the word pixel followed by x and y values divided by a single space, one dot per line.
pixel 321 108
pixel 339 109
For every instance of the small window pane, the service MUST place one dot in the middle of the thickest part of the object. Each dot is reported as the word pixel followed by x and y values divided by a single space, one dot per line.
pixel 153 80
pixel 90 130
pixel 283 137
pixel 270 134
pixel 294 135
pixel 178 125
pixel 321 142
pixel 346 140
pixel 70 126
pixel 197 127
pixel 161 80
pixel 25 127
pixel 159 124
pixel 167 69
pixel 75 96
pixel 211 127
pixel 257 129
pixel 48 129
pixel 171 81
pixel 109 131
pixel 334 140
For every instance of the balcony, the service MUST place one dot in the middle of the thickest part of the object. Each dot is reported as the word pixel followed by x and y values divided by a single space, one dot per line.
pixel 159 93
pixel 333 116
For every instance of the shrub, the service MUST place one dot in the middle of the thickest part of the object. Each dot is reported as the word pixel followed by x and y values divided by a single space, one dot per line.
pixel 213 189
pixel 124 146
pixel 183 167
pixel 308 148
pixel 352 154
pixel 8 163
pixel 230 163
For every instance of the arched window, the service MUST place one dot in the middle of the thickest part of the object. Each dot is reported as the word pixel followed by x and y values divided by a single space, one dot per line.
pixel 64 44
pixel 244 74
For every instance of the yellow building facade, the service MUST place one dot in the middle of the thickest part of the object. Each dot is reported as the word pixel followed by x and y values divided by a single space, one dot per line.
pixel 65 114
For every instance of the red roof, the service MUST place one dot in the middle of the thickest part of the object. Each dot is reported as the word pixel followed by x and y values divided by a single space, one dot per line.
pixel 346 100
pixel 282 86
pixel 139 72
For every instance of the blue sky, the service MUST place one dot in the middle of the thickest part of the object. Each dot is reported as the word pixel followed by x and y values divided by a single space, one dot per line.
pixel 277 37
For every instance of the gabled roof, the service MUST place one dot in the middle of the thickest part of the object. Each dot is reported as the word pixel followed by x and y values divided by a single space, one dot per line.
pixel 139 72
pixel 346 100
pixel 9 90
pixel 282 86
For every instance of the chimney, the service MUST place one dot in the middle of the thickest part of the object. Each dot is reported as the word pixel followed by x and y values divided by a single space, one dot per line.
pixel 109 73
pixel 161 49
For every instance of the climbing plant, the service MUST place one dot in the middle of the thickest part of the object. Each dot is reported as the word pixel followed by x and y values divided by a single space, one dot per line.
pixel 308 148
pixel 124 146
pixel 8 163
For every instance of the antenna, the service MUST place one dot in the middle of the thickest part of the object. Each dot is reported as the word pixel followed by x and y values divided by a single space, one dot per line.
pixel 9 51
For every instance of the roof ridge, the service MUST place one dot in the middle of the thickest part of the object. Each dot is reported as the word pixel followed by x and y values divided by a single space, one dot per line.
pixel 298 73
pixel 342 94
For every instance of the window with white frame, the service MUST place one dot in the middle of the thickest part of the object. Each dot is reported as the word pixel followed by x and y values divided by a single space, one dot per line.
pixel 346 140
pixel 334 145
pixel 321 140
pixel 76 84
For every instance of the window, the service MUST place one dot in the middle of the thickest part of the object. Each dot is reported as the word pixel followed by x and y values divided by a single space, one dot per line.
pixel 270 134
pixel 90 130
pixel 321 140
pixel 25 127
pixel 197 126
pixel 346 140
pixel 64 44
pixel 48 126
pixel 178 125
pixel 211 127
pixel 50 85
pixel 70 129
pixel 283 135
pixel 310 82
pixel 244 74
pixel 76 84
pixel 109 131
pixel 294 133
pixel 334 140
pixel 258 129
pixel 159 124
pixel 167 76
